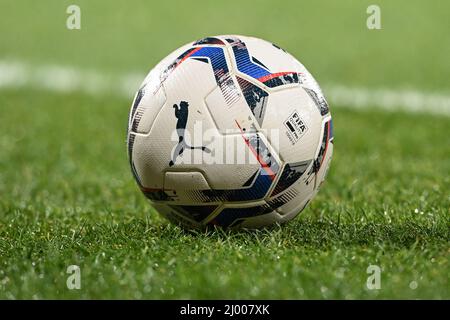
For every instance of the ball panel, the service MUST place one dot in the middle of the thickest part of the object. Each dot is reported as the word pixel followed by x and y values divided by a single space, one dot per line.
pixel 293 115
pixel 176 217
pixel 194 213
pixel 291 173
pixel 225 115
pixel 233 215
pixel 267 55
pixel 148 108
pixel 279 72
pixel 185 181
pixel 182 110
pixel 256 98
pixel 325 152
pixel 307 182
pixel 290 210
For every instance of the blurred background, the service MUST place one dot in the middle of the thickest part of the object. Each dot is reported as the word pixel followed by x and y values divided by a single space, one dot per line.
pixel 410 50
pixel 67 195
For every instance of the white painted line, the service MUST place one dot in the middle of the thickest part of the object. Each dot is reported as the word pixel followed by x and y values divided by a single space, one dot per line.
pixel 67 79
pixel 16 74
pixel 407 100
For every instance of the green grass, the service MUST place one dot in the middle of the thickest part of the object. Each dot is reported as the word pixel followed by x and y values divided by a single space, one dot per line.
pixel 67 195
pixel 68 198
pixel 330 37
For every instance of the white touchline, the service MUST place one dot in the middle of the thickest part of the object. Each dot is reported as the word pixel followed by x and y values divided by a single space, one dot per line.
pixel 16 74
pixel 57 78
pixel 408 100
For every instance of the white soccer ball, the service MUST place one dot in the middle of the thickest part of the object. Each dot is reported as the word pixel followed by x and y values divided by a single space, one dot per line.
pixel 230 131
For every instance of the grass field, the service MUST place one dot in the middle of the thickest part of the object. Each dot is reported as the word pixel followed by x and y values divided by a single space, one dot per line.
pixel 67 196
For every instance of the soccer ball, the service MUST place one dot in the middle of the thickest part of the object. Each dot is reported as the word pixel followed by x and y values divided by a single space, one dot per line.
pixel 230 131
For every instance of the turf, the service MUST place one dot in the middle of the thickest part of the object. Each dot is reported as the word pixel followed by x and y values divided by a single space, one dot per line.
pixel 67 196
